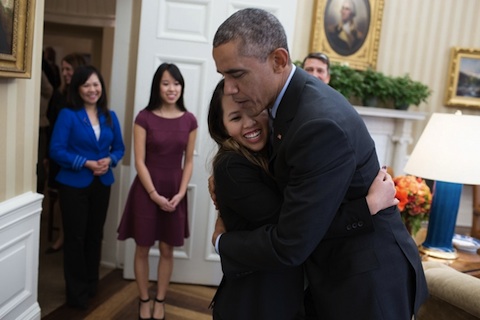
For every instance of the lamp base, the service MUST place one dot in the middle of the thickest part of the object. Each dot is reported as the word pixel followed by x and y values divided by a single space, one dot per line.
pixel 442 220
pixel 439 253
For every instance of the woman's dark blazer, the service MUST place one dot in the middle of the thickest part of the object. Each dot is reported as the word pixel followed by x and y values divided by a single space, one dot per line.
pixel 73 142
pixel 323 156
pixel 248 198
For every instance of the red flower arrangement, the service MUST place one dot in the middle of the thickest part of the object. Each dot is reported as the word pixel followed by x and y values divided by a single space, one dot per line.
pixel 415 201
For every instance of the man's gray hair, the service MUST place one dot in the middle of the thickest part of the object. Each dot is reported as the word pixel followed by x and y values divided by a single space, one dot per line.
pixel 259 31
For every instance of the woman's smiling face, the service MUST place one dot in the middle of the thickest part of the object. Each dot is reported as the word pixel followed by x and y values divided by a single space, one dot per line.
pixel 170 89
pixel 250 132
pixel 67 72
pixel 91 90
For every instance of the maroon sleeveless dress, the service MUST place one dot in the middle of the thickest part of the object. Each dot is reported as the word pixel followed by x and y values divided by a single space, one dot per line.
pixel 142 219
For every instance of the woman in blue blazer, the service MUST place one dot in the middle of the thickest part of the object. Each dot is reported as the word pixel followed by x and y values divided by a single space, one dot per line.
pixel 86 143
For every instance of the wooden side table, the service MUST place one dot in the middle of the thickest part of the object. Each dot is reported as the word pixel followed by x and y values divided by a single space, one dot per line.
pixel 466 262
pixel 475 232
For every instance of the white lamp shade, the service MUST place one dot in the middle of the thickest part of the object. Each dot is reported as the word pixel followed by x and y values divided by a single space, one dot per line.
pixel 448 150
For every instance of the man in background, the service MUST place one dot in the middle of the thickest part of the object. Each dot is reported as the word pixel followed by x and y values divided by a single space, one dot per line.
pixel 318 65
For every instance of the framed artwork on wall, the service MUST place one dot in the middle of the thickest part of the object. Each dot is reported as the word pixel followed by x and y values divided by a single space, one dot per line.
pixel 348 31
pixel 463 81
pixel 16 38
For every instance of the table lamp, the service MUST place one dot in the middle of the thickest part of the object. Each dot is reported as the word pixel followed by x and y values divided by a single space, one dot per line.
pixel 447 152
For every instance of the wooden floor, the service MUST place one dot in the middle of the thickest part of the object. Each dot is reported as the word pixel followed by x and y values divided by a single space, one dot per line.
pixel 117 299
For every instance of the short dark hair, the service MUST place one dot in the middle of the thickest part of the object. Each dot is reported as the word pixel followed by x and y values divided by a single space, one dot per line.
pixel 259 31
pixel 318 55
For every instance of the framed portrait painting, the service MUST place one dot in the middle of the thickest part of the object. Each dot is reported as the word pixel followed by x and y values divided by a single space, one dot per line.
pixel 463 82
pixel 348 31
pixel 16 37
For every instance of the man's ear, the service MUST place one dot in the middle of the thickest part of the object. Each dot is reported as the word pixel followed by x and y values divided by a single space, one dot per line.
pixel 280 58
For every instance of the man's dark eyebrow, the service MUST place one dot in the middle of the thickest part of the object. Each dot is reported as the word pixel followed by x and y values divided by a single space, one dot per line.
pixel 231 71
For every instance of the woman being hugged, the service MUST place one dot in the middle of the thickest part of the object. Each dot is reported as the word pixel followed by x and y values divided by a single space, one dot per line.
pixel 156 209
pixel 86 143
pixel 247 198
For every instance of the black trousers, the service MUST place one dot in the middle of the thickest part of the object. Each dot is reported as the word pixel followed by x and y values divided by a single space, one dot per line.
pixel 84 211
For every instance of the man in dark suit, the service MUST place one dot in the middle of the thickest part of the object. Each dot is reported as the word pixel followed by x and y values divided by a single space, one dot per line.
pixel 323 156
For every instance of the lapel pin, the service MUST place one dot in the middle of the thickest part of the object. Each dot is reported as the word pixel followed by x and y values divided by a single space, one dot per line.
pixel 279 136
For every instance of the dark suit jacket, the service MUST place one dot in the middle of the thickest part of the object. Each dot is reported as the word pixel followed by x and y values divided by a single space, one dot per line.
pixel 323 156
pixel 247 199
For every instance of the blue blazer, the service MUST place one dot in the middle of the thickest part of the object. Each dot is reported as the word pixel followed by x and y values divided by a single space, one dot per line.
pixel 73 142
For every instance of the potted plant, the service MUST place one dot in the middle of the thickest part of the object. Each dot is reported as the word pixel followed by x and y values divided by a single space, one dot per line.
pixel 345 80
pixel 407 92
pixel 375 86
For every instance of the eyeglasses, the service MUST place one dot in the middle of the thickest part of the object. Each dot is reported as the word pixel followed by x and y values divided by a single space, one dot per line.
pixel 319 55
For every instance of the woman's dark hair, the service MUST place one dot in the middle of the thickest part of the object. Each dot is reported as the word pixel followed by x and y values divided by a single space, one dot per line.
pixel 75 60
pixel 155 98
pixel 219 133
pixel 75 101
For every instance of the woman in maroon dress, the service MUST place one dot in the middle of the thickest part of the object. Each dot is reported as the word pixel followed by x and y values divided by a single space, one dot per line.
pixel 156 208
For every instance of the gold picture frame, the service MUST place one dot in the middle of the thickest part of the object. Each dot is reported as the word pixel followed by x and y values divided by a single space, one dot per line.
pixel 16 38
pixel 354 44
pixel 463 84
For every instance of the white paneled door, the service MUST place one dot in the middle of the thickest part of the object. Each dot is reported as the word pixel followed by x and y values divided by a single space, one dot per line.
pixel 181 32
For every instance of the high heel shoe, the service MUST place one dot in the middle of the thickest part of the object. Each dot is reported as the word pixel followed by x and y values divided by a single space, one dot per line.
pixel 161 302
pixel 140 301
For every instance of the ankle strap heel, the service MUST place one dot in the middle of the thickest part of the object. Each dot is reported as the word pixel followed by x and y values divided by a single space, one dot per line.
pixel 140 301
pixel 161 302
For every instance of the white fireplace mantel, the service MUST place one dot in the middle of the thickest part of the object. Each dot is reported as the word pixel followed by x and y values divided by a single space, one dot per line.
pixel 392 132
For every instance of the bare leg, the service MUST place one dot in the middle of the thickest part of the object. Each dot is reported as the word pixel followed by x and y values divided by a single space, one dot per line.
pixel 165 268
pixel 141 277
